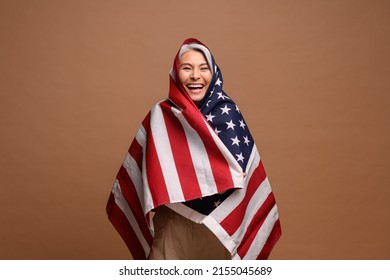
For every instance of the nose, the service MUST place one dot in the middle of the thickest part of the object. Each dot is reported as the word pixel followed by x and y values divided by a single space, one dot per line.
pixel 195 74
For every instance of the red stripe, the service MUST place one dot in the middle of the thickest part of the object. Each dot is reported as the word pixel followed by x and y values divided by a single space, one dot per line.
pixel 122 225
pixel 135 151
pixel 233 221
pixel 255 225
pixel 271 241
pixel 181 154
pixel 146 122
pixel 219 165
pixel 154 173
pixel 130 194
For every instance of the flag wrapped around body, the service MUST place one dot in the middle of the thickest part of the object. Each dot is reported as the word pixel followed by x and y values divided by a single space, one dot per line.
pixel 200 161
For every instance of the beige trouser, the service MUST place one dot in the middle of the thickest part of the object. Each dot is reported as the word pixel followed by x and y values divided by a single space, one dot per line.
pixel 177 238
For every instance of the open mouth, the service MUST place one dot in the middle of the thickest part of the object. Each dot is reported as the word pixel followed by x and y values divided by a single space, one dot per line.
pixel 195 87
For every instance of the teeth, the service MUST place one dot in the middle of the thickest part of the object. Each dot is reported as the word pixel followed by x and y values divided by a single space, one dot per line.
pixel 195 86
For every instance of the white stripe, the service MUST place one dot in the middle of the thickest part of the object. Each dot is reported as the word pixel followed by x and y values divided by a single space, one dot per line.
pixel 262 235
pixel 253 160
pixel 199 156
pixel 122 204
pixel 135 175
pixel 147 200
pixel 165 155
pixel 187 212
pixel 141 136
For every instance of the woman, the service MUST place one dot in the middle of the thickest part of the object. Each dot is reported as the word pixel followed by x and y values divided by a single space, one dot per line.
pixel 194 163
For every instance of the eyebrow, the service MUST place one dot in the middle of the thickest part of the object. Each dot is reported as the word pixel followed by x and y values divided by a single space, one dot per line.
pixel 202 64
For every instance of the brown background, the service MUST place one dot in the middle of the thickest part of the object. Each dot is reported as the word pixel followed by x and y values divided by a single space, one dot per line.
pixel 311 77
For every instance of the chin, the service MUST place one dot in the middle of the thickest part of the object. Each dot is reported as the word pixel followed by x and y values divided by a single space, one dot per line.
pixel 197 99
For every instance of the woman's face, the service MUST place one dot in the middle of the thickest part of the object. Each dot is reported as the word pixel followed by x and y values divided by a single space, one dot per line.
pixel 195 74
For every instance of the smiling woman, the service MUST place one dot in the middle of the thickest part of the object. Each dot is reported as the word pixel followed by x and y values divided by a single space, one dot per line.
pixel 195 74
pixel 194 164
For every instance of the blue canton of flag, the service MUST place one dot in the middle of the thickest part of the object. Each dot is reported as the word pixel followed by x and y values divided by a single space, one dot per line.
pixel 228 123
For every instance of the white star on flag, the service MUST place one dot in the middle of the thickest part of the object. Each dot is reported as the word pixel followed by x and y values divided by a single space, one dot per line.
pixel 220 95
pixel 230 125
pixel 235 141
pixel 240 157
pixel 242 124
pixel 217 203
pixel 217 131
pixel 210 117
pixel 225 109
pixel 246 140
pixel 218 82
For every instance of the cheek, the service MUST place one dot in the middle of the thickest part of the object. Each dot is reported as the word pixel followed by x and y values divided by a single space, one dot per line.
pixel 207 78
pixel 183 76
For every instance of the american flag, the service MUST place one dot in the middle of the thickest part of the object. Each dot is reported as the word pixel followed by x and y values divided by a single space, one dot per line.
pixel 201 162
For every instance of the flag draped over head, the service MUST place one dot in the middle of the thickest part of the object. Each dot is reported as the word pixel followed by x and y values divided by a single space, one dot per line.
pixel 201 161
